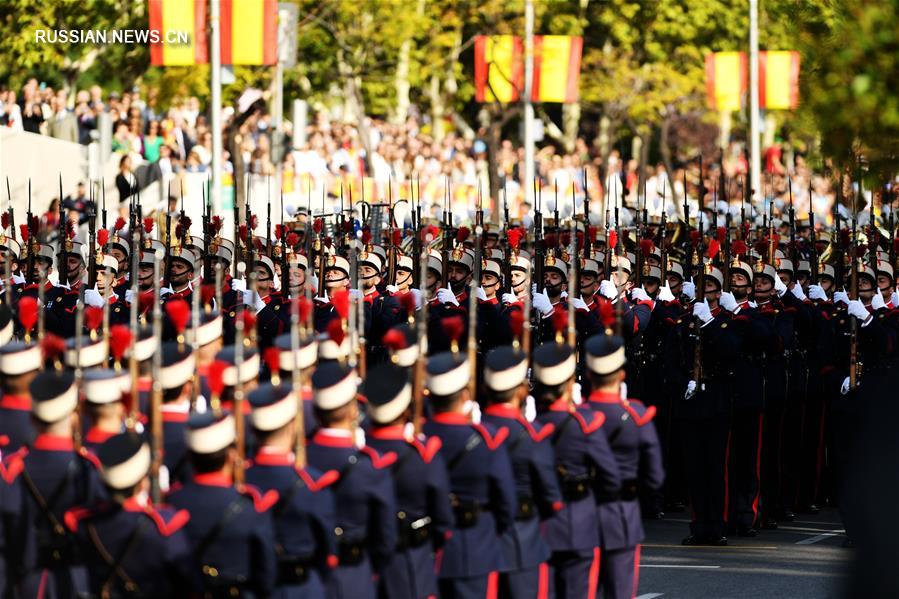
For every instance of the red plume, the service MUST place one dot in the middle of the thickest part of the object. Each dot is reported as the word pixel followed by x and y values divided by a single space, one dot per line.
pixel 293 239
pixel 593 232
pixel 4 220
pixel 179 230
pixel 317 225
pixel 23 230
pixel 516 322
pixel 613 239
pixel 394 340
pixel 560 320
pixel 242 233
pixel 272 357
pixel 861 249
pixel 217 224
pixel 93 317
pixel 721 234
pixel 249 320
pixel 28 312
pixel 348 226
pixel 215 377
pixel 119 224
pixel 366 236
pixel 149 223
pixel 407 302
pixel 606 312
pixel 304 307
pixel 738 248
pixel 119 340
pixel 254 222
pixel 580 239
pixel 341 302
pixel 257 241
pixel 896 246
pixel 70 230
pixel 462 234
pixel 646 246
pixel 453 327
pixel 761 247
pixel 178 311
pixel 514 237
pixel 845 238
pixel 207 294
pixel 430 231
pixel 566 239
pixel 694 237
pixel 397 237
pixel 279 232
pixel 102 237
pixel 550 240
pixel 775 238
pixel 52 346
pixel 336 332
pixel 714 247
pixel 185 223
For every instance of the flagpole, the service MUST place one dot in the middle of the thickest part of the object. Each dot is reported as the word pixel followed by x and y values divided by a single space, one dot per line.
pixel 528 106
pixel 756 161
pixel 215 63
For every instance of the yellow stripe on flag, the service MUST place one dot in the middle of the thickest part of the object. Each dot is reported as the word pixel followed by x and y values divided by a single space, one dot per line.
pixel 247 26
pixel 499 55
pixel 556 51
pixel 728 87
pixel 778 80
pixel 178 15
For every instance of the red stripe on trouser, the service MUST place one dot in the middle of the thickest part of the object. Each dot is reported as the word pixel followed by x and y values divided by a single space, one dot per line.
pixel 636 570
pixel 543 581
pixel 594 575
pixel 758 472
pixel 492 585
pixel 726 476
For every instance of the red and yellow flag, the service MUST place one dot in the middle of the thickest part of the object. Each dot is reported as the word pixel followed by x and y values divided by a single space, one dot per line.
pixel 499 68
pixel 169 17
pixel 249 30
pixel 727 80
pixel 779 80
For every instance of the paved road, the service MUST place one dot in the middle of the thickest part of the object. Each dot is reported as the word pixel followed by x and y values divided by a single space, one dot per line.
pixel 801 560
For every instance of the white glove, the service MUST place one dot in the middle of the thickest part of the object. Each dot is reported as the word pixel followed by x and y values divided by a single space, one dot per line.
pixel 416 293
pixel 691 390
pixel 753 305
pixel 728 301
pixel 608 290
pixel 392 288
pixel 665 294
pixel 238 285
pixel 841 296
pixel 129 295
pixel 480 294
pixel 638 294
pixel 577 303
pixel 322 299
pixel 92 297
pixel 312 281
pixel 877 301
pixel 857 308
pixel 251 298
pixel 446 296
pixel 165 291
pixel 564 294
pixel 510 298
pixel 844 388
pixel 702 312
pixel 797 291
pixel 17 279
pixel 689 288
pixel 542 304
pixel 779 287
pixel 355 294
pixel 816 292
pixel 894 299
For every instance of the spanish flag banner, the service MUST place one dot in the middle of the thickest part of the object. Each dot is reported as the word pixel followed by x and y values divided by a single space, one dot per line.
pixel 249 30
pixel 727 80
pixel 178 16
pixel 499 68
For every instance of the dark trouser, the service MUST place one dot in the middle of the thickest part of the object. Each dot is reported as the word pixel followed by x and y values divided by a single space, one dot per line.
pixel 474 587
pixel 744 466
pixel 576 573
pixel 529 583
pixel 772 458
pixel 706 442
pixel 620 573
pixel 812 453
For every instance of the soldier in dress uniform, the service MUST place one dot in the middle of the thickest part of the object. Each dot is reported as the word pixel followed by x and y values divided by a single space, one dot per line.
pixel 232 543
pixel 632 438
pixel 18 369
pixel 130 547
pixel 533 466
pixel 103 390
pixel 585 467
pixel 48 478
pixel 181 264
pixel 176 377
pixel 337 277
pixel 304 515
pixel 305 359
pixel 366 508
pixel 423 512
pixel 482 486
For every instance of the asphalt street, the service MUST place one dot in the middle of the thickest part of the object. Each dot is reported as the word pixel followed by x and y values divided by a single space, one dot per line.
pixel 800 560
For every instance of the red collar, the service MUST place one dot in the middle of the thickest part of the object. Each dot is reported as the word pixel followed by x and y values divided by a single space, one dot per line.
pixel 229 405
pixel 96 435
pixel 213 479
pixel 330 440
pixel 16 402
pixel 451 418
pixel 270 456
pixel 604 397
pixel 371 297
pixel 144 383
pixel 397 432
pixel 53 443
pixel 560 405
pixel 267 299
pixel 492 301
pixel 503 410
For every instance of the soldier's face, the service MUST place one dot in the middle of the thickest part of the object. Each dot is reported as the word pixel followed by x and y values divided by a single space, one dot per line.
pixel 588 284
pixel 802 279
pixel 785 277
pixel 653 260
pixel 519 280
pixel 739 285
pixel 458 277
pixel 180 273
pixel 762 287
pixel 145 276
pixel 120 256
pixel 105 279
pixel 865 289
pixel 826 284
pixel 263 280
pixel 491 242
pixel 336 279
pixel 490 283
pixel 75 267
pixel 432 279
pixel 403 279
pixel 651 286
pixel 297 277
pixel 554 283
pixel 884 283
pixel 368 276
pixel 620 279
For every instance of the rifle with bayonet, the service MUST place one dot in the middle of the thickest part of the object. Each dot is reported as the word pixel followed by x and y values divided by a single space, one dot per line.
pixel 700 283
